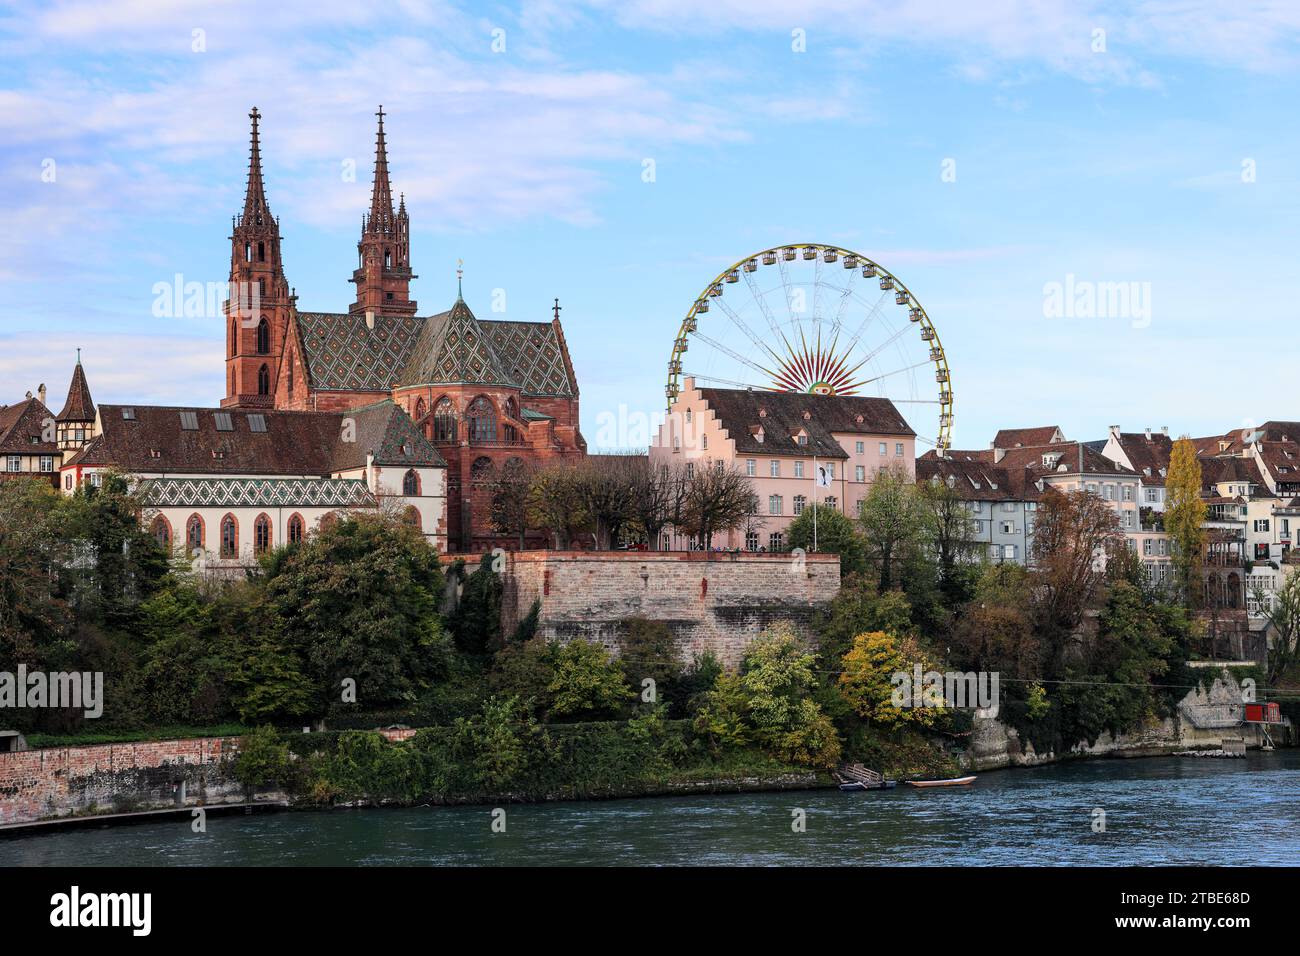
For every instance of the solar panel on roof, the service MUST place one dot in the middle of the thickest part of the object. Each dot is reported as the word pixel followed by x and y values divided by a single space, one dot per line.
pixel 224 422
pixel 257 423
pixel 190 421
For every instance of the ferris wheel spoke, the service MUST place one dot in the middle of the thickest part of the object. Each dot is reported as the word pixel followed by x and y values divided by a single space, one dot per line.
pixel 761 299
pixel 734 354
pixel 885 344
pixel 874 311
pixel 740 324
pixel 897 371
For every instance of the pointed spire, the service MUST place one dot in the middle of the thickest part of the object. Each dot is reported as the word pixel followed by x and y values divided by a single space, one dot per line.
pixel 381 198
pixel 79 407
pixel 255 206
pixel 460 273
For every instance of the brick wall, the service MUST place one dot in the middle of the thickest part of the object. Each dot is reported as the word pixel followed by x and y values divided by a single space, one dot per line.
pixel 75 781
pixel 711 601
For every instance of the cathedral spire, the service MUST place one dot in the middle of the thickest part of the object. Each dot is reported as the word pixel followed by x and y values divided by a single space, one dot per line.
pixel 255 207
pixel 381 197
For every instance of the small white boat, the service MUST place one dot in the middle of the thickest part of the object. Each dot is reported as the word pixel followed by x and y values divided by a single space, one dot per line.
pixel 951 782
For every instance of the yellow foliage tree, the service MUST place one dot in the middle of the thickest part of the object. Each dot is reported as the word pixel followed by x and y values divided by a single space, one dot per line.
pixel 874 667
pixel 1185 518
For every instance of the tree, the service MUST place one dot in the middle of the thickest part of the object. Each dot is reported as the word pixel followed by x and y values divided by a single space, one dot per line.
pixel 891 517
pixel 1072 534
pixel 777 680
pixel 658 498
pixel 997 638
pixel 836 534
pixel 868 680
pixel 555 503
pixel 585 682
pixel 1185 520
pixel 1283 617
pixel 607 487
pixel 510 495
pixel 358 601
pixel 35 615
pixel 476 622
pixel 717 500
pixel 949 533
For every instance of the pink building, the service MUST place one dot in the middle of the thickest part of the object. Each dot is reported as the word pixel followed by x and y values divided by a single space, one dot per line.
pixel 784 441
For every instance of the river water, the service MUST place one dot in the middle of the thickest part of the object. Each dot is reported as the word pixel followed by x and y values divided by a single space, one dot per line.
pixel 1165 810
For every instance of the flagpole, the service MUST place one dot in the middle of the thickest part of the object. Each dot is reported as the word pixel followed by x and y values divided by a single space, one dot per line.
pixel 814 499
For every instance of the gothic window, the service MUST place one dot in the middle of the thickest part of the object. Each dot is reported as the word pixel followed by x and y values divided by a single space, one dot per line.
pixel 328 521
pixel 248 252
pixel 291 376
pixel 388 258
pixel 295 529
pixel 263 381
pixel 411 516
pixel 444 421
pixel 481 470
pixel 261 252
pixel 162 532
pixel 411 484
pixel 229 537
pixel 261 534
pixel 261 287
pixel 482 421
pixel 194 534
pixel 263 338
pixel 510 433
pixel 512 408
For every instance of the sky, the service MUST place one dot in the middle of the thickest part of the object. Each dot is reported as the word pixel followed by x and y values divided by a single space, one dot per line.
pixel 1003 158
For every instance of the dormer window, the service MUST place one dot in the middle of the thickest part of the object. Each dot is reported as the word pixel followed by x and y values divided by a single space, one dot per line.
pixel 757 432
pixel 1050 460
pixel 762 413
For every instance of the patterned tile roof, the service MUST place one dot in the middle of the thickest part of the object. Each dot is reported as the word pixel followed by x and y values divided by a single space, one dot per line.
pixel 454 349
pixel 534 356
pixel 342 353
pixel 256 493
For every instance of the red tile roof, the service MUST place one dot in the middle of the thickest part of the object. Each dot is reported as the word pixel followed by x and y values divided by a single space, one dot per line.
pixel 1024 437
pixel 79 407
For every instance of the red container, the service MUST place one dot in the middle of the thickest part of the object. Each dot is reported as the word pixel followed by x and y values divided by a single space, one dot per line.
pixel 1264 713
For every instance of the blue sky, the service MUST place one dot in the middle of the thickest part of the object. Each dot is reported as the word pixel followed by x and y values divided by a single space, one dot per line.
pixel 1168 159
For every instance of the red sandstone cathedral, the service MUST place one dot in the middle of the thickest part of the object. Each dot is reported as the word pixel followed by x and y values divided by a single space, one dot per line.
pixel 483 392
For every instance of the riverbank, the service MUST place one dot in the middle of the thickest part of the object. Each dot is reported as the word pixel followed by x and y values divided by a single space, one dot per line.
pixel 1156 813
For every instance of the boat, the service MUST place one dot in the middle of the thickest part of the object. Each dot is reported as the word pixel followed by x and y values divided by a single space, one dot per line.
pixel 854 785
pixel 950 782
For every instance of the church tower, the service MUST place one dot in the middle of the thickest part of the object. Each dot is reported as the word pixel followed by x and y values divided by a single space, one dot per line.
pixel 383 275
pixel 257 312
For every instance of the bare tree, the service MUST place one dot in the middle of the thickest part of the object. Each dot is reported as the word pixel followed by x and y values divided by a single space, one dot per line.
pixel 607 486
pixel 510 495
pixel 717 499
pixel 891 517
pixel 658 498
pixel 1073 532
pixel 1283 616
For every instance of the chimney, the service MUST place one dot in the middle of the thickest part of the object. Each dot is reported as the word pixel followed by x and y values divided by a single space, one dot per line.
pixel 1114 431
pixel 1148 433
pixel 41 392
pixel 1164 429
pixel 998 454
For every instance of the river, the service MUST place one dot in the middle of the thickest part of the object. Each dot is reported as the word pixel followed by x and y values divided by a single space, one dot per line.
pixel 1164 810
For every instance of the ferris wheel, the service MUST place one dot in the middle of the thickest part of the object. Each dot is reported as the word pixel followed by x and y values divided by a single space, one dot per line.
pixel 818 319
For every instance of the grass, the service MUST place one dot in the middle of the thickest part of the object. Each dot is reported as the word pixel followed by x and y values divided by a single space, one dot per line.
pixel 175 732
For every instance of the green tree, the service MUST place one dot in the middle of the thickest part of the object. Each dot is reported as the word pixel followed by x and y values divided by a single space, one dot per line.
pixel 585 682
pixel 868 680
pixel 948 531
pixel 1283 617
pixel 476 622
pixel 1185 520
pixel 891 517
pixel 835 534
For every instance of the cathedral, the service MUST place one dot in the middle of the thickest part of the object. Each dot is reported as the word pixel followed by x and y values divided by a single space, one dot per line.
pixel 376 407
pixel 483 392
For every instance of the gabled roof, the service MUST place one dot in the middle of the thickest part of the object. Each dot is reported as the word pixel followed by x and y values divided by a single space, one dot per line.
pixel 535 357
pixel 21 428
pixel 454 349
pixel 1215 471
pixel 293 443
pixel 1021 437
pixel 741 412
pixel 342 353
pixel 1148 455
pixel 974 480
pixel 79 407
pixel 1071 458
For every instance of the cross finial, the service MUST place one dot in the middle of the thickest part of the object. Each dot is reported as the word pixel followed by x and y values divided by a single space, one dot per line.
pixel 557 310
pixel 460 272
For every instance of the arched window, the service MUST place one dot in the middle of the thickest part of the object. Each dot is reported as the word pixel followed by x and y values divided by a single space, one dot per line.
pixel 295 529
pixel 261 534
pixel 261 252
pixel 388 258
pixel 421 411
pixel 411 484
pixel 291 375
pixel 411 516
pixel 263 338
pixel 248 252
pixel 328 521
pixel 481 470
pixel 263 381
pixel 512 408
pixel 162 532
pixel 444 420
pixel 194 534
pixel 234 338
pixel 482 421
pixel 510 434
pixel 229 537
